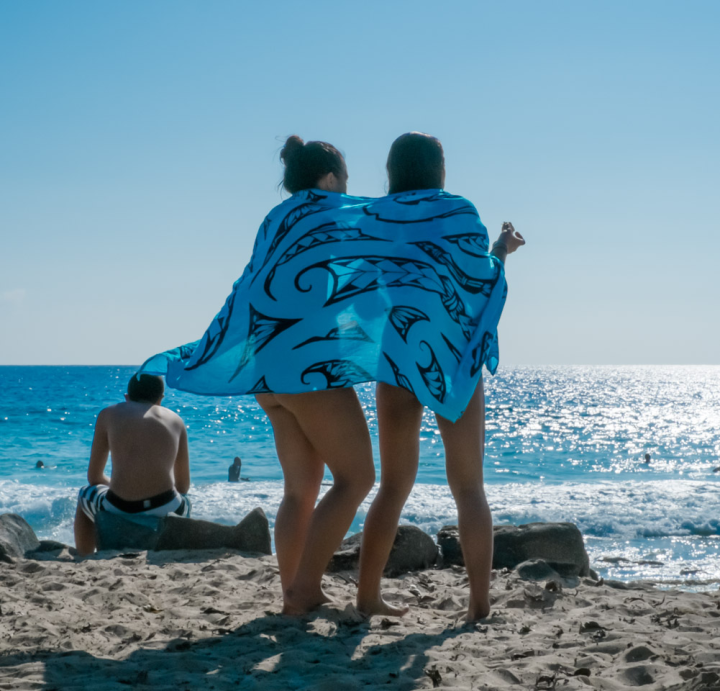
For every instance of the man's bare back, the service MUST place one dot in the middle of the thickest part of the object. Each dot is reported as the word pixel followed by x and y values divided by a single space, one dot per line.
pixel 150 461
pixel 148 446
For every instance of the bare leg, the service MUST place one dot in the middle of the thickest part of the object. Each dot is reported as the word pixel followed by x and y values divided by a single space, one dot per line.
pixel 399 420
pixel 464 450
pixel 335 426
pixel 84 533
pixel 302 471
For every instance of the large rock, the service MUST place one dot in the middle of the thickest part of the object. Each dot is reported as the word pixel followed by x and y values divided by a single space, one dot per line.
pixel 116 532
pixel 347 557
pixel 252 534
pixel 412 550
pixel 448 538
pixel 560 545
pixel 51 546
pixel 16 537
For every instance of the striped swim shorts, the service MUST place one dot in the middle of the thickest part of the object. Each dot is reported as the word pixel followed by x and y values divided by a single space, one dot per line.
pixel 95 498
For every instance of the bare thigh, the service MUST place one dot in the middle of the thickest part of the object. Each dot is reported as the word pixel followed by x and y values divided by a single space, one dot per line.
pixel 399 419
pixel 334 425
pixel 302 465
pixel 464 443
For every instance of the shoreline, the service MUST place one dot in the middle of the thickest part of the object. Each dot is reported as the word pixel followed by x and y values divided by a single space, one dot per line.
pixel 622 555
pixel 210 620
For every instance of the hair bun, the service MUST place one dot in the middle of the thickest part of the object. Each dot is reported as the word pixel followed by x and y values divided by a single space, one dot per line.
pixel 293 144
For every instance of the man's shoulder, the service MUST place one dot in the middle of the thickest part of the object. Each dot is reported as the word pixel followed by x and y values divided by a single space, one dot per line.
pixel 169 415
pixel 111 411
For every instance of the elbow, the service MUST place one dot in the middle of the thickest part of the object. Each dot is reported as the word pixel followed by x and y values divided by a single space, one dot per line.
pixel 93 479
pixel 183 487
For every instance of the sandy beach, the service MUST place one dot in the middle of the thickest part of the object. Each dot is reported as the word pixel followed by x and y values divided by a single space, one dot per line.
pixel 210 620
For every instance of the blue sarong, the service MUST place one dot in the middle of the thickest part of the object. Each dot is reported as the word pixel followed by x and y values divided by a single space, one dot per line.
pixel 342 290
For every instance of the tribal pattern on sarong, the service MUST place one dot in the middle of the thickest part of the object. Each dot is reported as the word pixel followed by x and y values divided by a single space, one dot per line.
pixel 342 290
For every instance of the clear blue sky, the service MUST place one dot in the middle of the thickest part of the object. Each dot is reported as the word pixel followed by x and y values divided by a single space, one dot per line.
pixel 139 141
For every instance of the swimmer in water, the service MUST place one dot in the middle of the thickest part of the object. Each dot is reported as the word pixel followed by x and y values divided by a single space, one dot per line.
pixel 234 470
pixel 39 464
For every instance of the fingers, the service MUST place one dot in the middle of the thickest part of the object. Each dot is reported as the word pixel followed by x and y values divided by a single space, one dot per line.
pixel 508 227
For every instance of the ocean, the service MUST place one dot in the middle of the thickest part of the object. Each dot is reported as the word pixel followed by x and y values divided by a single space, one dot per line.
pixel 563 444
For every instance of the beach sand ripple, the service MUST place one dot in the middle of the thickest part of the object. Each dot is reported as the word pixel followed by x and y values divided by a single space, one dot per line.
pixel 199 620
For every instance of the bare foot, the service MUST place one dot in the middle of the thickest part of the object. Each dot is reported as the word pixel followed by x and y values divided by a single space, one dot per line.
pixel 379 606
pixel 477 612
pixel 296 602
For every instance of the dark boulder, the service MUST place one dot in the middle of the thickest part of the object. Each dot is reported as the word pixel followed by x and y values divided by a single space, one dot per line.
pixel 412 550
pixel 536 570
pixel 16 537
pixel 541 570
pixel 116 532
pixel 252 534
pixel 560 545
pixel 448 538
pixel 51 546
pixel 347 557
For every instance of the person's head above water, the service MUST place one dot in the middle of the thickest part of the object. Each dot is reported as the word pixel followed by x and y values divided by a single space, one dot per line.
pixel 416 162
pixel 145 388
pixel 315 164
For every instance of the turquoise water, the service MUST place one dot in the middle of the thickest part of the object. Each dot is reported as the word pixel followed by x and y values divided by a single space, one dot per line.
pixel 563 443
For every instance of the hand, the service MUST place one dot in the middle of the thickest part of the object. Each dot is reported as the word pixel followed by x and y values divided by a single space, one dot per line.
pixel 510 237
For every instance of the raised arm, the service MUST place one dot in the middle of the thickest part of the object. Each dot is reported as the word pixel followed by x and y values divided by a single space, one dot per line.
pixel 507 243
pixel 182 464
pixel 99 452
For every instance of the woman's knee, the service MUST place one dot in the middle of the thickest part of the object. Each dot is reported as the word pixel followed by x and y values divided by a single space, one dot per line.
pixel 395 492
pixel 303 487
pixel 356 480
pixel 470 491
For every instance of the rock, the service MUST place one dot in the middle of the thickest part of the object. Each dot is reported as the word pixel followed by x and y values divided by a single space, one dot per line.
pixel 16 537
pixel 51 546
pixel 536 570
pixel 116 532
pixel 412 550
pixel 559 544
pixel 172 532
pixel 256 530
pixel 541 570
pixel 347 557
pixel 448 538
pixel 50 550
pixel 252 534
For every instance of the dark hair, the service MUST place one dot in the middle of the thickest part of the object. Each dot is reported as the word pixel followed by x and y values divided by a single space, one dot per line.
pixel 305 163
pixel 145 388
pixel 416 162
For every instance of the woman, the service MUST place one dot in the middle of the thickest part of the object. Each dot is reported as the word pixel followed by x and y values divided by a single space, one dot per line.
pixel 313 430
pixel 416 162
pixel 342 290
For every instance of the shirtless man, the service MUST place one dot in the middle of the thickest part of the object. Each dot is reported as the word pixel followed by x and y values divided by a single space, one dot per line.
pixel 150 462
